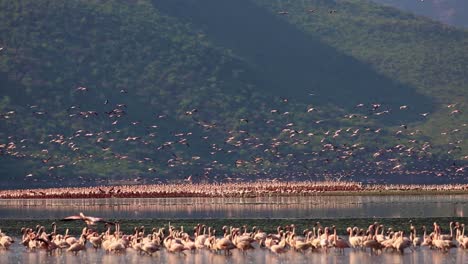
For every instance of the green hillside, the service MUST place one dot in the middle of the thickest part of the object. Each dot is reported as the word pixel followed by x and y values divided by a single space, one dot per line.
pixel 295 63
pixel 419 52
pixel 425 55
pixel 451 12
pixel 94 91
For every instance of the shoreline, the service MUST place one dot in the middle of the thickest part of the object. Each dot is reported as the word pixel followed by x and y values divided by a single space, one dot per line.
pixel 235 190
pixel 156 196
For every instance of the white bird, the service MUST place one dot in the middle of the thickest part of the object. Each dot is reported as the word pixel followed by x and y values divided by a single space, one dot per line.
pixel 89 220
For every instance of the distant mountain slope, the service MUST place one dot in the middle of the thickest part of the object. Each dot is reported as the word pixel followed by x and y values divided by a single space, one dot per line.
pixel 136 65
pixel 414 51
pixel 425 54
pixel 295 63
pixel 452 12
pixel 97 91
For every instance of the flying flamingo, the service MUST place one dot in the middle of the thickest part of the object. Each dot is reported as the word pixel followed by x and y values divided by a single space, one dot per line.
pixel 89 220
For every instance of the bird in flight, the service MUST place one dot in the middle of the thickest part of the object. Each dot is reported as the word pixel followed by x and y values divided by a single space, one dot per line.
pixel 89 220
pixel 82 89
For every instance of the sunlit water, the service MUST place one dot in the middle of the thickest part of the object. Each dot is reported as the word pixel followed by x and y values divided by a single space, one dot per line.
pixel 417 206
pixel 18 254
pixel 423 206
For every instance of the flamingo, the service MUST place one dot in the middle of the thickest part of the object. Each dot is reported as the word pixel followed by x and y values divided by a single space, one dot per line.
pixel 315 239
pixel 439 240
pixel 462 239
pixel 259 236
pixel 401 242
pixel 149 247
pixel 117 244
pixel 89 220
pixel 5 241
pixel 174 246
pixel 301 245
pixel 201 238
pixel 280 247
pixel 245 237
pixel 354 241
pixel 224 244
pixel 413 237
pixel 95 239
pixel 371 241
pixel 324 243
pixel 79 245
pixel 339 243
pixel 427 239
pixel 188 243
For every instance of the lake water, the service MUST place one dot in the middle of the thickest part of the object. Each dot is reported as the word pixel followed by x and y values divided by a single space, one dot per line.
pixel 18 254
pixel 313 207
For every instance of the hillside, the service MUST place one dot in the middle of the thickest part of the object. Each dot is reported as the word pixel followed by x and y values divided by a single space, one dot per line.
pixel 133 59
pixel 96 92
pixel 452 12
pixel 416 52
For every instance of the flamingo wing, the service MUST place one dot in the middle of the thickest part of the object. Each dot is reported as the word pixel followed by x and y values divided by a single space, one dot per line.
pixel 93 220
pixel 72 218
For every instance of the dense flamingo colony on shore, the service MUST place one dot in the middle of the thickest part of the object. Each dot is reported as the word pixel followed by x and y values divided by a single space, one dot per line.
pixel 241 189
pixel 376 239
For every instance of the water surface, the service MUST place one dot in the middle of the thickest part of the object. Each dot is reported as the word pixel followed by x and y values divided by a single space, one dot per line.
pixel 311 207
pixel 18 254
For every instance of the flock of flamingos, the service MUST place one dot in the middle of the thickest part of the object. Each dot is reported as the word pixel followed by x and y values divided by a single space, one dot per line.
pixel 375 239
pixel 240 189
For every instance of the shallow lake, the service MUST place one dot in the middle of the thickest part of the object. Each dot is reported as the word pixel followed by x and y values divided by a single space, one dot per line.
pixel 364 209
pixel 311 207
pixel 18 254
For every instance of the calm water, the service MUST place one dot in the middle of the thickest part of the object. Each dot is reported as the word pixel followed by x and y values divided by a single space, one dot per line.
pixel 221 208
pixel 315 207
pixel 18 254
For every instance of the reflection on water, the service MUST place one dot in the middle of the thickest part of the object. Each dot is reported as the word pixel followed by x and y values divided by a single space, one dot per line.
pixel 264 207
pixel 18 254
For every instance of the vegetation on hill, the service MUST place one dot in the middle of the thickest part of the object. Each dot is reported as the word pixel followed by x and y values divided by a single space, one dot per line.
pixel 417 52
pixel 451 12
pixel 93 91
